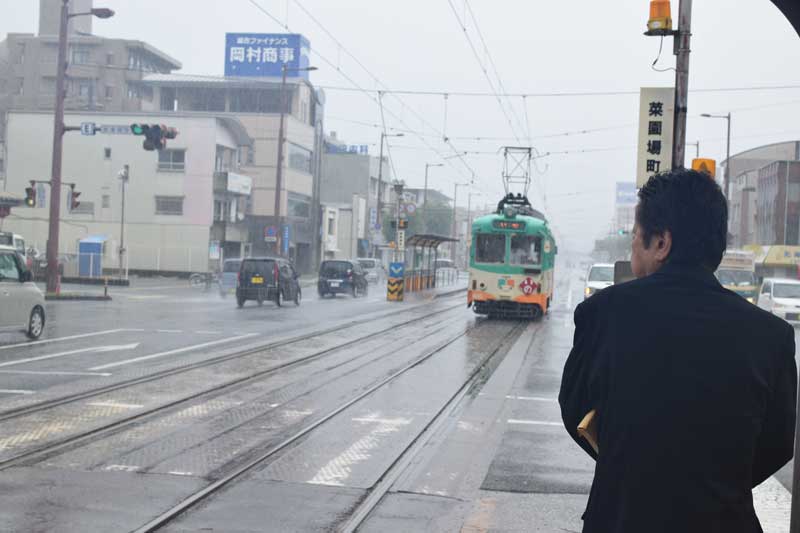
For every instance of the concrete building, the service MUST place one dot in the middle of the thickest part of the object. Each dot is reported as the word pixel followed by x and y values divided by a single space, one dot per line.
pixel 345 230
pixel 347 174
pixel 256 104
pixel 778 203
pixel 434 196
pixel 183 204
pixel 102 74
pixel 743 206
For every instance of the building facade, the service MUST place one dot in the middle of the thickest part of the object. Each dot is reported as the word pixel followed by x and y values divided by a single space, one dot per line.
pixel 742 211
pixel 186 207
pixel 778 203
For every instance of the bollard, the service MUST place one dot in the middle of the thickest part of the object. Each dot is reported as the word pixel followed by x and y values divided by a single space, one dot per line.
pixel 105 287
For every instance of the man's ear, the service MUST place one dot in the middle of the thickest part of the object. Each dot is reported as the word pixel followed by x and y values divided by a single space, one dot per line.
pixel 663 246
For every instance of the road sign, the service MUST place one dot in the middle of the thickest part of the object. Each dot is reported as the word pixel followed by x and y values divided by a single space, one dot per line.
pixel 401 239
pixel 397 270
pixel 88 128
pixel 411 209
pixel 271 234
pixel 394 289
pixel 285 240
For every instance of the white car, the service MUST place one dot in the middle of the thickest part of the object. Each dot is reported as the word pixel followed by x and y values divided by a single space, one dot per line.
pixel 601 275
pixel 372 268
pixel 21 301
pixel 781 297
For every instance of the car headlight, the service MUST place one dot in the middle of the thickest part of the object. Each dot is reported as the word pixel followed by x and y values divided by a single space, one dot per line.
pixel 751 299
pixel 588 291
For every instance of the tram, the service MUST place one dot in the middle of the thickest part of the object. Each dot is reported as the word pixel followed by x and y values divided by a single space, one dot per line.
pixel 511 264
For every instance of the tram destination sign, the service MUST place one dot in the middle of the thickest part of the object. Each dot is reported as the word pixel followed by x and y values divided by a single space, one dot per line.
pixel 513 225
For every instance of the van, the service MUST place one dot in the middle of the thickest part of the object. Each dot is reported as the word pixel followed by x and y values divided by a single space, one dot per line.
pixel 229 276
pixel 18 243
pixel 267 278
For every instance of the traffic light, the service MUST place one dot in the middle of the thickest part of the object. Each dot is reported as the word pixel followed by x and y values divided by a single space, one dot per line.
pixel 155 135
pixel 621 232
pixel 403 224
pixel 30 196
pixel 73 198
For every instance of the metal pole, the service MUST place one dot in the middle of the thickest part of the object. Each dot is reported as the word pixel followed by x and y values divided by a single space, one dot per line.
pixel 400 253
pixel 682 50
pixel 425 201
pixel 728 160
pixel 380 178
pixel 455 204
pixel 58 138
pixel 279 169
pixel 125 178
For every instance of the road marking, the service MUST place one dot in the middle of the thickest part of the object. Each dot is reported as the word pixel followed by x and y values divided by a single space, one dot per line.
pixel 201 332
pixel 531 399
pixel 16 391
pixel 533 422
pixel 98 349
pixel 169 331
pixel 121 468
pixel 773 506
pixel 83 336
pixel 55 373
pixel 170 352
pixel 116 404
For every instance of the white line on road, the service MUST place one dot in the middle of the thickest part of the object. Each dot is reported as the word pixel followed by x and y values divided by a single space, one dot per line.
pixel 93 349
pixel 531 399
pixel 16 391
pixel 55 373
pixel 202 332
pixel 169 331
pixel 116 404
pixel 533 422
pixel 83 336
pixel 170 352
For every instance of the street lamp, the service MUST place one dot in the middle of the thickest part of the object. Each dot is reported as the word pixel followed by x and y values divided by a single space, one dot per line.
pixel 380 166
pixel 279 170
pixel 728 155
pixel 425 195
pixel 58 140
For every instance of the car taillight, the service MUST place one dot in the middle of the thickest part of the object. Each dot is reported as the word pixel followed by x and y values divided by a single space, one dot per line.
pixel 275 273
pixel 239 278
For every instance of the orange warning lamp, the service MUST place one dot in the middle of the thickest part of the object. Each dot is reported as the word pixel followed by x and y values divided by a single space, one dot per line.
pixel 660 16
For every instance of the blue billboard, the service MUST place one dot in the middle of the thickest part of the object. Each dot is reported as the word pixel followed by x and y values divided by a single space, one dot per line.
pixel 263 54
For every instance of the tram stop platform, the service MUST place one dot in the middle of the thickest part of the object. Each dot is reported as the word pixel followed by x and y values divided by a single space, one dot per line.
pixel 504 461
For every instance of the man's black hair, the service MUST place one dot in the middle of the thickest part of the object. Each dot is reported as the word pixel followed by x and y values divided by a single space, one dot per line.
pixel 692 207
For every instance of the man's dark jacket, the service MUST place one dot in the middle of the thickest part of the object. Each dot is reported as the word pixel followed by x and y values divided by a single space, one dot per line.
pixel 695 390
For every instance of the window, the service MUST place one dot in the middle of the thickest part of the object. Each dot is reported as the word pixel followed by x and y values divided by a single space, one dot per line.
pixel 21 53
pixel 525 250
pixel 21 87
pixel 80 55
pixel 106 153
pixel 9 270
pixel 110 58
pixel 299 206
pixel 331 226
pixel 106 201
pixel 169 205
pixel 299 158
pixel 172 160
pixel 765 288
pixel 251 155
pixel 109 91
pixel 785 290
pixel 490 248
pixel 601 273
pixel 48 86
pixel 84 208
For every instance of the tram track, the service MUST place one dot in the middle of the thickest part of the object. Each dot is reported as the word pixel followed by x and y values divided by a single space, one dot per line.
pixel 57 446
pixel 376 493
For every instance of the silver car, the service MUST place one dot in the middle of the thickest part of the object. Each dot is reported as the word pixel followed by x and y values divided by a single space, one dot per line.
pixel 372 268
pixel 21 301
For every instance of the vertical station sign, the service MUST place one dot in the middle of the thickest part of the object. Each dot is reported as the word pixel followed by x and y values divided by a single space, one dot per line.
pixel 656 122
pixel 264 54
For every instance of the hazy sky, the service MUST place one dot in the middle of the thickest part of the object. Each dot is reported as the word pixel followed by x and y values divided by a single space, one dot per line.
pixel 537 47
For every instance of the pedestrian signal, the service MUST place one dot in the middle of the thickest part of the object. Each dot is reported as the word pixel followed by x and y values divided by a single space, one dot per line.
pixel 709 166
pixel 73 199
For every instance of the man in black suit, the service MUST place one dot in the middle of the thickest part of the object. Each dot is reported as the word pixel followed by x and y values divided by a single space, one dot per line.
pixel 693 386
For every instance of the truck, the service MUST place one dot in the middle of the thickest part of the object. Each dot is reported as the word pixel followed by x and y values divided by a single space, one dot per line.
pixel 737 272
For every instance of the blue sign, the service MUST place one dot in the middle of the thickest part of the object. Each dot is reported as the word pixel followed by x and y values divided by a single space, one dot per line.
pixel 285 239
pixel 373 218
pixel 88 128
pixel 264 54
pixel 626 193
pixel 362 149
pixel 397 270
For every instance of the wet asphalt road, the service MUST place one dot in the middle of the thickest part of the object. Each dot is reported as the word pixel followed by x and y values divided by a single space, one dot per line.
pixel 499 462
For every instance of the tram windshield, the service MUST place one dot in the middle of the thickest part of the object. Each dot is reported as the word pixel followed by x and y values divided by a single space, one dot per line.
pixel 490 248
pixel 525 250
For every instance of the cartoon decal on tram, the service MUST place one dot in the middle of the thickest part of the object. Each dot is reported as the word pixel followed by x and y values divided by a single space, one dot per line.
pixel 511 264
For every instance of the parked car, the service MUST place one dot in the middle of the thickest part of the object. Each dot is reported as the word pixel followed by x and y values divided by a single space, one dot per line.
pixel 373 269
pixel 21 301
pixel 446 268
pixel 267 279
pixel 342 277
pixel 601 275
pixel 229 276
pixel 781 297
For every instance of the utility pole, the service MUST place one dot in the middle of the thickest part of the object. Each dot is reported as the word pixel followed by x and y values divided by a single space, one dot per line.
pixel 399 252
pixel 279 244
pixel 455 216
pixel 58 141
pixel 425 196
pixel 727 179
pixel 124 177
pixel 682 51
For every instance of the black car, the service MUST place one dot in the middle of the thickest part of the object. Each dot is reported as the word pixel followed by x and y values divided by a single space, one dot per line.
pixel 267 278
pixel 342 276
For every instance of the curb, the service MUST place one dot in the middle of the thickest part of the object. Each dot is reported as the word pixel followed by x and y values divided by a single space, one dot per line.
pixel 77 297
pixel 450 293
